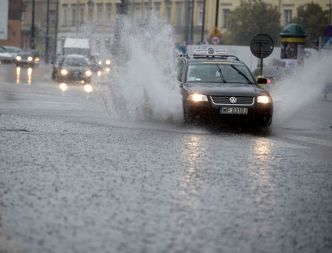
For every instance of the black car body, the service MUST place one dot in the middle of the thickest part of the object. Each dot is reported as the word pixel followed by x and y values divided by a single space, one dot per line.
pixel 27 58
pixel 56 65
pixel 74 68
pixel 219 86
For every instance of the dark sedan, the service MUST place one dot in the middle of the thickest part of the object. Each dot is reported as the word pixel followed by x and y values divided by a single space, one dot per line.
pixel 219 86
pixel 27 58
pixel 74 68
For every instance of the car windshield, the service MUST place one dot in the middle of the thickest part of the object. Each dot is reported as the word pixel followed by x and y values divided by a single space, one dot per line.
pixel 75 61
pixel 218 72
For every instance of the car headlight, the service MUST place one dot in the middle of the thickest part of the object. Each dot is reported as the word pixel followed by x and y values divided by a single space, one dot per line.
pixel 37 60
pixel 264 99
pixel 64 72
pixel 108 62
pixel 197 97
pixel 30 58
pixel 88 73
pixel 18 58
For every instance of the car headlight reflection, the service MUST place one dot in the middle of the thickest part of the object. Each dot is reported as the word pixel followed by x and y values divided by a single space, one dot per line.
pixel 88 73
pixel 63 86
pixel 64 72
pixel 264 99
pixel 197 98
pixel 88 88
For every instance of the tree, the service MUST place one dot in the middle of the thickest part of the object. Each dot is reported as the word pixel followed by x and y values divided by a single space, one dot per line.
pixel 253 17
pixel 313 20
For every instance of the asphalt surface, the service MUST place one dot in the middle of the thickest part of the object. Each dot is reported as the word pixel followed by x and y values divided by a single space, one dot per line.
pixel 74 180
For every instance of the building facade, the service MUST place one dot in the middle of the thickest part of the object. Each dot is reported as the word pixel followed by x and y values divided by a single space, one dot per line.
pixel 14 24
pixel 56 19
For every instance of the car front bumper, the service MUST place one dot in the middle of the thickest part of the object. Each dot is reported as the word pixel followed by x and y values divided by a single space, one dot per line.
pixel 260 113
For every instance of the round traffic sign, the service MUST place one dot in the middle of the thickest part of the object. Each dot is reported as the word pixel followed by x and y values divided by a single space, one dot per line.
pixel 261 45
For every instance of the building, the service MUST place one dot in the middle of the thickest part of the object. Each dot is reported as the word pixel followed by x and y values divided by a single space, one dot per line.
pixel 186 16
pixel 14 24
pixel 39 26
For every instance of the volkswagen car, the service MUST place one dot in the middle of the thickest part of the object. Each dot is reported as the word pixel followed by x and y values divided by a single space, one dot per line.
pixel 215 85
pixel 74 68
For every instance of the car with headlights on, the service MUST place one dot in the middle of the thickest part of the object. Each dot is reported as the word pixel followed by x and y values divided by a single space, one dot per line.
pixel 74 68
pixel 27 58
pixel 215 85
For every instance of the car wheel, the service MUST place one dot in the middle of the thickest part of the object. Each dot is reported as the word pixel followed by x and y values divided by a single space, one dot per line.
pixel 264 122
pixel 188 117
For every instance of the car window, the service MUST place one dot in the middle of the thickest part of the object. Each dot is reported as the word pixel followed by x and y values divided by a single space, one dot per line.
pixel 215 72
pixel 76 62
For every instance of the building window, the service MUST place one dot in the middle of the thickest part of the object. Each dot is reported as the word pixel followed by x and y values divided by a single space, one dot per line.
pixel 287 16
pixel 179 14
pixel 81 14
pixel 99 17
pixel 73 14
pixel 225 13
pixel 90 11
pixel 200 13
pixel 65 15
pixel 109 11
pixel 157 9
pixel 168 12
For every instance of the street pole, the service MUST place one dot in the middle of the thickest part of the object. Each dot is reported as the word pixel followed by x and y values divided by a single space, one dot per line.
pixel 32 36
pixel 217 13
pixel 47 32
pixel 192 21
pixel 203 23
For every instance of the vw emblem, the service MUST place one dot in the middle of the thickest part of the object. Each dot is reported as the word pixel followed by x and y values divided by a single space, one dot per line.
pixel 233 100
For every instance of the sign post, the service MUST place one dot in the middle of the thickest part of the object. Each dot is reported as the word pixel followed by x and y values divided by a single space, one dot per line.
pixel 261 46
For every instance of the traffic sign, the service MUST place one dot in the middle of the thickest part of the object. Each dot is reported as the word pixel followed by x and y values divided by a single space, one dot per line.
pixel 261 45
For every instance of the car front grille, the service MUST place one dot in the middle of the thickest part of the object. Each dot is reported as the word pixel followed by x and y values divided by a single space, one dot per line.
pixel 225 100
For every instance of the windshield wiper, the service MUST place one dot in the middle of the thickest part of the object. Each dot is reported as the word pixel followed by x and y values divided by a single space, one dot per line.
pixel 222 78
pixel 242 74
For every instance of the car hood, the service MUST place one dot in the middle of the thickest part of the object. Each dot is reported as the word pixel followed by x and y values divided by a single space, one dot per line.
pixel 224 89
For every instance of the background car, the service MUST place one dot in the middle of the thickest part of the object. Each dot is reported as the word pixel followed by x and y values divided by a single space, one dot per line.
pixel 5 57
pixel 13 51
pixel 56 65
pixel 219 86
pixel 27 58
pixel 74 68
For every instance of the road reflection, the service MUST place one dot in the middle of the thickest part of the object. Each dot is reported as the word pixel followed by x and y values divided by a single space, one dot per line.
pixel 23 74
pixel 262 157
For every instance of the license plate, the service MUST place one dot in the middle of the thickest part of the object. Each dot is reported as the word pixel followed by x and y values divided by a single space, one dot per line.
pixel 233 110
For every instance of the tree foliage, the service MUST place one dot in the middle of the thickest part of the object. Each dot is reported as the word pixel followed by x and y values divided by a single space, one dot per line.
pixel 313 20
pixel 253 17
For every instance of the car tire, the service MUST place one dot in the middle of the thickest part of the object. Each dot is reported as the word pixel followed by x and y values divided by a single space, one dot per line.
pixel 188 117
pixel 263 122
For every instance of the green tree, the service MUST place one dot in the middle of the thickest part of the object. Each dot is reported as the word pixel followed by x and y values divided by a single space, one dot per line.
pixel 313 20
pixel 253 17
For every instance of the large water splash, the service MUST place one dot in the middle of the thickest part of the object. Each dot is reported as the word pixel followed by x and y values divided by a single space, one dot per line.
pixel 302 88
pixel 143 81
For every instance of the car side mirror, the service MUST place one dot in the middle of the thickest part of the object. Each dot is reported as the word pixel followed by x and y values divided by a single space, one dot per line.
pixel 261 80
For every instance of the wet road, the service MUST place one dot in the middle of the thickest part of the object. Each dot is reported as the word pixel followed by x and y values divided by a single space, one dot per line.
pixel 72 179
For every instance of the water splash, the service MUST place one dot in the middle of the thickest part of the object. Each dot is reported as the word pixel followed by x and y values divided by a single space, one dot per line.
pixel 143 83
pixel 302 88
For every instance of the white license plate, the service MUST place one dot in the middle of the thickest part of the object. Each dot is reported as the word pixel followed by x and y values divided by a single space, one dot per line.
pixel 233 110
